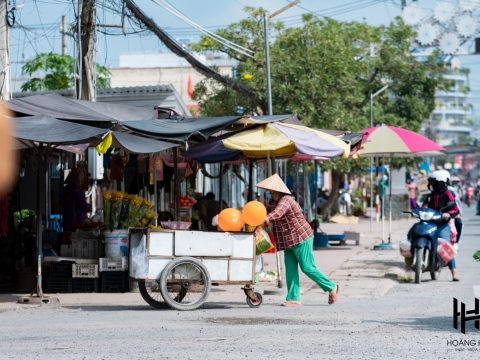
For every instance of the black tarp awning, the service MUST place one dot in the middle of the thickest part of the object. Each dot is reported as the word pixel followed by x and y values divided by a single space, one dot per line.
pixel 179 128
pixel 63 108
pixel 48 130
pixel 45 129
pixel 138 144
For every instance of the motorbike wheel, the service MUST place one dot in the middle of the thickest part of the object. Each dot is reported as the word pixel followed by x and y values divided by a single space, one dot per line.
pixel 418 265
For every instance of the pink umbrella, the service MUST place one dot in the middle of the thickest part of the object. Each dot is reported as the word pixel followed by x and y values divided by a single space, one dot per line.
pixel 391 141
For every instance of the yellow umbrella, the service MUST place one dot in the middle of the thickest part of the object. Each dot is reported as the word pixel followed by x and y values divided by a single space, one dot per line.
pixel 277 139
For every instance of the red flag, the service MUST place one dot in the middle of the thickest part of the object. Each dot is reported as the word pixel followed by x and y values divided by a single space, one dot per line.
pixel 190 86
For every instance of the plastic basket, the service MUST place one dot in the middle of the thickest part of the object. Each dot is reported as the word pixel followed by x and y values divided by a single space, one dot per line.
pixel 86 248
pixel 86 285
pixel 61 270
pixel 113 264
pixel 59 286
pixel 176 225
pixel 115 282
pixel 84 270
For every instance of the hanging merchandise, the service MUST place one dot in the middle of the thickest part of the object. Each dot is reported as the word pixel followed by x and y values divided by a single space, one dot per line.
pixel 117 170
pixel 159 167
pixel 103 147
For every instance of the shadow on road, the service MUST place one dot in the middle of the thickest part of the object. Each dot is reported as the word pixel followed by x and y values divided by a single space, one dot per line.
pixel 435 323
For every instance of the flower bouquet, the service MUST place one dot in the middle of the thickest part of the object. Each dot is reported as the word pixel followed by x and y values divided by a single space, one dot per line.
pixel 122 211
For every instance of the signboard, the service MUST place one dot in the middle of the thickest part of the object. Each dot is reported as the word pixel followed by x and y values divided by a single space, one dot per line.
pixel 423 185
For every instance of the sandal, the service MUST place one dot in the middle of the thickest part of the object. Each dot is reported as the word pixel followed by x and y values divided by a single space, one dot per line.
pixel 292 303
pixel 333 297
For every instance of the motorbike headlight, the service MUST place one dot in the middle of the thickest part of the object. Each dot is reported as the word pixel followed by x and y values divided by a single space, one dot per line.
pixel 426 216
pixel 436 217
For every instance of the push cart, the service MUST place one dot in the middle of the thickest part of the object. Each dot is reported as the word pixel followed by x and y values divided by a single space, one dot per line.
pixel 178 267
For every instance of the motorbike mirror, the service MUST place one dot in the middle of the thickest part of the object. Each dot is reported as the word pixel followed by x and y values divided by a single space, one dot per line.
pixel 451 205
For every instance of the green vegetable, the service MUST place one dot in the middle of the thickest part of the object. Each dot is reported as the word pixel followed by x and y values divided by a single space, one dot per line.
pixel 25 213
pixel 476 256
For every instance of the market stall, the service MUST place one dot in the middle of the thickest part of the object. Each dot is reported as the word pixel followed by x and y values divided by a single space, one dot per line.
pixel 81 255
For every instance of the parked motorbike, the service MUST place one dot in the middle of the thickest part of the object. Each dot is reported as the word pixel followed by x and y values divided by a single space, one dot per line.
pixel 424 241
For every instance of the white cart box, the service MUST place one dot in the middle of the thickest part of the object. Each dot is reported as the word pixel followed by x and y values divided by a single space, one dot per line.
pixel 199 243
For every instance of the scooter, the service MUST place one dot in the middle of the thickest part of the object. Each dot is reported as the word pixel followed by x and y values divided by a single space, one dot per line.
pixel 424 241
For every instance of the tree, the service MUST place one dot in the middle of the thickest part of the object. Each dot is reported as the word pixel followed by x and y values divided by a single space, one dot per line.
pixel 324 71
pixel 58 73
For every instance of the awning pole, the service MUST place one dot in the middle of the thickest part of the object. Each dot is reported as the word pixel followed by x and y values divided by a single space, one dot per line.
pixel 250 179
pixel 390 201
pixel 269 164
pixel 155 195
pixel 176 183
pixel 220 185
pixel 40 192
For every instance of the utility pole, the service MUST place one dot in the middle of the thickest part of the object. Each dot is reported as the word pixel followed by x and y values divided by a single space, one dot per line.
pixel 64 35
pixel 4 53
pixel 84 84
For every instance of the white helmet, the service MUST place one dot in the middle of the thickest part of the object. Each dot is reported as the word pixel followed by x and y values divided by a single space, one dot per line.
pixel 440 175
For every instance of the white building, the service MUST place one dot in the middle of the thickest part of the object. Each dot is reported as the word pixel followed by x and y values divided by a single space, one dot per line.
pixel 155 68
pixel 452 120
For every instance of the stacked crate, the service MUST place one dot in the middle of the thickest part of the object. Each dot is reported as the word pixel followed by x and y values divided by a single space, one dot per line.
pixel 114 275
pixel 85 278
pixel 60 280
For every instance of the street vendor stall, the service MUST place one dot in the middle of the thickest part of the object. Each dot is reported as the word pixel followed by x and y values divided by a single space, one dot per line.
pixel 44 134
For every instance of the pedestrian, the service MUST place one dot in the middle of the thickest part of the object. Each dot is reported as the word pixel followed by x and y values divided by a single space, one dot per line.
pixel 411 186
pixel 74 203
pixel 294 235
pixel 382 190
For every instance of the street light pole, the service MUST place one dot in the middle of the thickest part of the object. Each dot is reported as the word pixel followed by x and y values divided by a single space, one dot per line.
pixel 371 159
pixel 267 65
pixel 269 98
pixel 267 55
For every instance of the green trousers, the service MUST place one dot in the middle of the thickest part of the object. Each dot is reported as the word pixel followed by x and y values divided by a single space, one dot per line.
pixel 302 254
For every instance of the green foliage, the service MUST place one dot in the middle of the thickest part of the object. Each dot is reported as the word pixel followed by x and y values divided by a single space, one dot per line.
pixel 325 71
pixel 57 70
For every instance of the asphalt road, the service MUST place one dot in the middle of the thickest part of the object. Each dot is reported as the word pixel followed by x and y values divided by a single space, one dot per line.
pixel 410 321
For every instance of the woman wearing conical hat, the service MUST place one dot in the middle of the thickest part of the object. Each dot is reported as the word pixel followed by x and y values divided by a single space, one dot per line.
pixel 294 235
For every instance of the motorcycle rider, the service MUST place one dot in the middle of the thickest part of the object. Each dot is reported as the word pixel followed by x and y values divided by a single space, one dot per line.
pixel 438 182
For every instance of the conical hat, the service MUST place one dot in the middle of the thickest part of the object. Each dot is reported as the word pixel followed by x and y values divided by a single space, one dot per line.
pixel 274 183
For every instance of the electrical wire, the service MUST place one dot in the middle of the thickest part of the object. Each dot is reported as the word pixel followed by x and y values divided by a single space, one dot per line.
pixel 240 49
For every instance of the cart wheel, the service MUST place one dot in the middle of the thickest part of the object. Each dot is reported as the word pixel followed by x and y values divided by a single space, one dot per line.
pixel 185 284
pixel 255 303
pixel 151 294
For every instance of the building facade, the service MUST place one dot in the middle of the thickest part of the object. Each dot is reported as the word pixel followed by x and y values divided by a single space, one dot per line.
pixel 452 121
pixel 151 69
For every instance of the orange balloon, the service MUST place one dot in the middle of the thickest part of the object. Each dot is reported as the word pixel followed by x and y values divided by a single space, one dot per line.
pixel 254 213
pixel 230 220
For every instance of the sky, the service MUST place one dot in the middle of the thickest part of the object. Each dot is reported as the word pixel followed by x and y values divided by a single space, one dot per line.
pixel 37 27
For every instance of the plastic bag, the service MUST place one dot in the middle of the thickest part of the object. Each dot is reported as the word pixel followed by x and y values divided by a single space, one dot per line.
pixel 262 241
pixel 453 231
pixel 405 248
pixel 139 260
pixel 445 251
